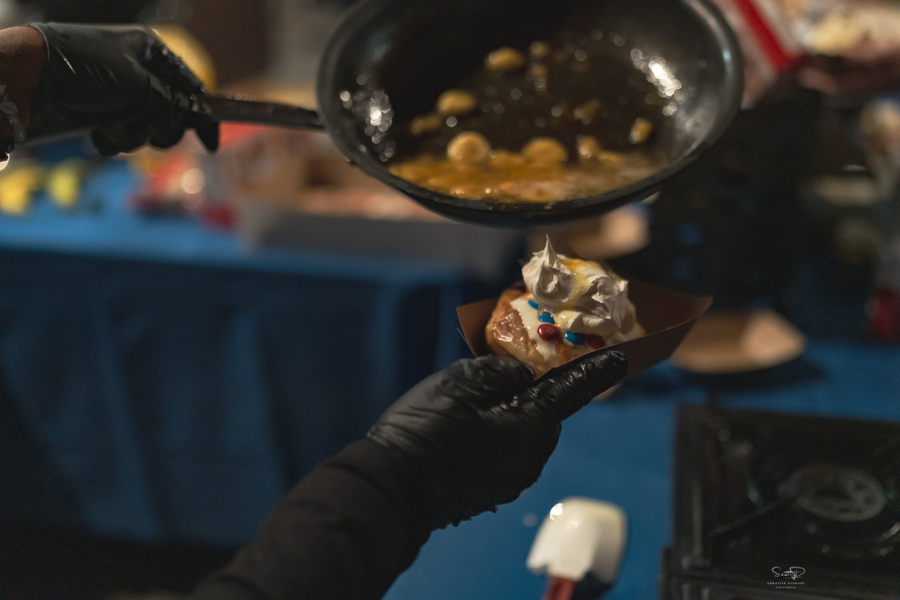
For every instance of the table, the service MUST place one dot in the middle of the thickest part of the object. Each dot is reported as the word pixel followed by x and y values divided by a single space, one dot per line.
pixel 159 383
pixel 181 415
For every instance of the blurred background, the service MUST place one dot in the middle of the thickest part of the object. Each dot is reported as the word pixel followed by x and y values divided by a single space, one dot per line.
pixel 183 336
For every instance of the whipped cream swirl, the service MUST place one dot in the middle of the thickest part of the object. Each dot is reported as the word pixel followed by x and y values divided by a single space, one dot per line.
pixel 583 296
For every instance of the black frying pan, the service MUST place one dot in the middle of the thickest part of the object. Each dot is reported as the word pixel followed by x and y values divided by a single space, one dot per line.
pixel 401 54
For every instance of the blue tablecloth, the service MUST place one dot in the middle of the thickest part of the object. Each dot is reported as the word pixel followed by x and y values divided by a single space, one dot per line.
pixel 621 451
pixel 158 383
pixel 161 384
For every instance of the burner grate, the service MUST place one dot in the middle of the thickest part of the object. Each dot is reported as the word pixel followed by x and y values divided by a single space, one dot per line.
pixel 756 491
pixel 835 492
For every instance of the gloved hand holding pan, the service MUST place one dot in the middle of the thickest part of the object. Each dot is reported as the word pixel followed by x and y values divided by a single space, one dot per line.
pixel 520 112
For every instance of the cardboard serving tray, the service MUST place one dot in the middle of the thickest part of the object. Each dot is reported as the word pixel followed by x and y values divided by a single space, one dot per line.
pixel 666 316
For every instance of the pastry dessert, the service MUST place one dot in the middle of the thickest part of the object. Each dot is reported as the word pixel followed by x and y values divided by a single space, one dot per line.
pixel 566 308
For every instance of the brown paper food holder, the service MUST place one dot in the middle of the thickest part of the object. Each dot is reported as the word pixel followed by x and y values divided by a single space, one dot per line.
pixel 666 316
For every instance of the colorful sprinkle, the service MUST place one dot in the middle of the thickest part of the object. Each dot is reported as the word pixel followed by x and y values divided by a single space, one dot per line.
pixel 548 332
pixel 547 318
pixel 595 342
pixel 576 339
pixel 533 304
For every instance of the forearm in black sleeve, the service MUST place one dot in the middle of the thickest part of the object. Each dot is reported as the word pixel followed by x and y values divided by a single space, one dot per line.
pixel 346 531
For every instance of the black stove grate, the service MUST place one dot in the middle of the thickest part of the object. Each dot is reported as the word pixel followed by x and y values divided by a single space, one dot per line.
pixel 768 504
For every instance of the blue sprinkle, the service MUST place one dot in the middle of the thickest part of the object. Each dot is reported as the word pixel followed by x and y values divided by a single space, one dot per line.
pixel 546 318
pixel 533 304
pixel 574 338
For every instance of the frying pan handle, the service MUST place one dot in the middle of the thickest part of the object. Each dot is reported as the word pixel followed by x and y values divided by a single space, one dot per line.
pixel 262 113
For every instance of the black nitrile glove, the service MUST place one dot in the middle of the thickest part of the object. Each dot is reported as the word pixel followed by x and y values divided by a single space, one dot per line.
pixel 479 432
pixel 122 83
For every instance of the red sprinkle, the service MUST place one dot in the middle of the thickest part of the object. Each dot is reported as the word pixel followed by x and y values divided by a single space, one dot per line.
pixel 548 332
pixel 594 342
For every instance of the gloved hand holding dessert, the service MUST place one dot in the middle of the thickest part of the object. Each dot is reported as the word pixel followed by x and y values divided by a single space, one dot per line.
pixel 566 308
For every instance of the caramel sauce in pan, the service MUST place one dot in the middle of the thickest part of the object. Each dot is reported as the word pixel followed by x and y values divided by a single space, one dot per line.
pixel 509 177
pixel 563 119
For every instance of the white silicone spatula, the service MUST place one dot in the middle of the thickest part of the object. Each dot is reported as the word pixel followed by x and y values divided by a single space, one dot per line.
pixel 579 537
